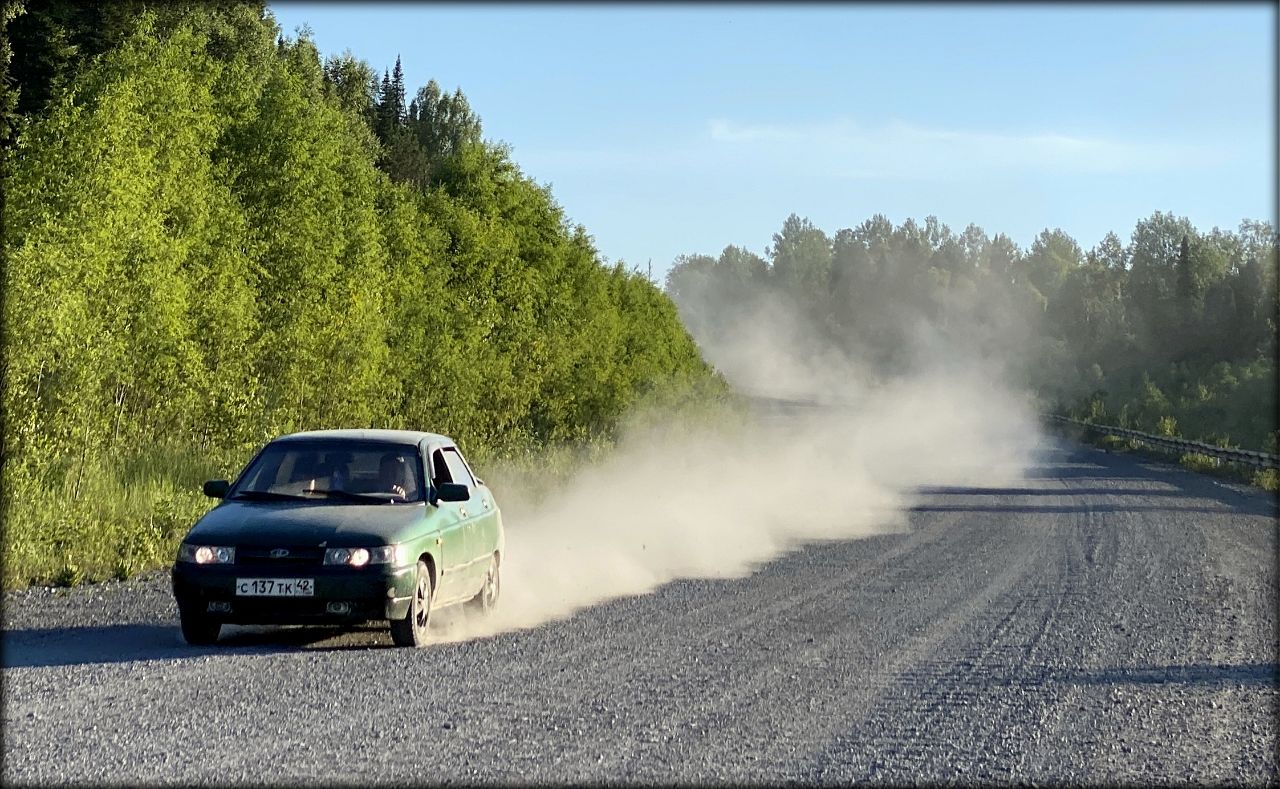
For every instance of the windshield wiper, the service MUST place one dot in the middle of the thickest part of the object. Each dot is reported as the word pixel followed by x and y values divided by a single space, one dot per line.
pixel 265 495
pixel 349 496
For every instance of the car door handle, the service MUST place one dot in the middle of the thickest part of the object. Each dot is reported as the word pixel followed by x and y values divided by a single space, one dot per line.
pixel 485 502
pixel 463 510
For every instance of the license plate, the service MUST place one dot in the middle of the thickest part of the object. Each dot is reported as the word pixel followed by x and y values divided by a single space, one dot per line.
pixel 275 587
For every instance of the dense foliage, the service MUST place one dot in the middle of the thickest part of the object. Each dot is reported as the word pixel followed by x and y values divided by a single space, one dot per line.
pixel 213 237
pixel 1174 332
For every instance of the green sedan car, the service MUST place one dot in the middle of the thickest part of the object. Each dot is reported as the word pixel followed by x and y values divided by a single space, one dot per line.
pixel 342 526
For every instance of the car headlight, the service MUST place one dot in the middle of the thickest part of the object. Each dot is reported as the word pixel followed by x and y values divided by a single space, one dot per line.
pixel 359 557
pixel 206 554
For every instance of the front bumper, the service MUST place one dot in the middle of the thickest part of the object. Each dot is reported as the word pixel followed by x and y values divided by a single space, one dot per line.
pixel 370 592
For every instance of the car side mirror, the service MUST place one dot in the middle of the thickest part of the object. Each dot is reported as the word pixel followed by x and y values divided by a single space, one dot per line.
pixel 216 488
pixel 452 491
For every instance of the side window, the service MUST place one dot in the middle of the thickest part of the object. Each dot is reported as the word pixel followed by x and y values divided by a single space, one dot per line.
pixel 458 469
pixel 439 469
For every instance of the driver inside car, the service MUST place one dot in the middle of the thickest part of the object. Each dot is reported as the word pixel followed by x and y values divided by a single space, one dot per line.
pixel 393 475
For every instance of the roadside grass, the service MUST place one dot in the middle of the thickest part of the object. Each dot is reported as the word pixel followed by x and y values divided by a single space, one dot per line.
pixel 1267 479
pixel 1203 464
pixel 522 480
pixel 109 517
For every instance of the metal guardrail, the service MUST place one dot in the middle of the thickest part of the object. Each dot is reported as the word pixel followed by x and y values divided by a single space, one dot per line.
pixel 1241 456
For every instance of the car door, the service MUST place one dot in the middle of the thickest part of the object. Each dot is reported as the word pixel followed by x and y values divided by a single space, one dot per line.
pixel 488 528
pixel 477 511
pixel 455 556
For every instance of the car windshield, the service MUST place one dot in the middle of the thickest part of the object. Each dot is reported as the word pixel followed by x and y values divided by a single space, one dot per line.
pixel 341 471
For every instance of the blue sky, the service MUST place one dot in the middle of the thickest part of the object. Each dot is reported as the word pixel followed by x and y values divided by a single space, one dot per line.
pixel 669 129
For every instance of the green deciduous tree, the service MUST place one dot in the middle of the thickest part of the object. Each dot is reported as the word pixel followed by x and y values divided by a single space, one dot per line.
pixel 211 241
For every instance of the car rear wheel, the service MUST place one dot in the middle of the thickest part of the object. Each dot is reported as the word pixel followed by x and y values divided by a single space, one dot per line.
pixel 487 598
pixel 411 631
pixel 198 630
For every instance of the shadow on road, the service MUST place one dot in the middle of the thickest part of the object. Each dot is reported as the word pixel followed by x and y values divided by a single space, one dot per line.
pixel 1066 508
pixel 76 646
pixel 1092 472
pixel 1060 492
pixel 1199 674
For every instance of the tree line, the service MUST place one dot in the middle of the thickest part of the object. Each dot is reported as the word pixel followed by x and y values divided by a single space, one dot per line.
pixel 1172 332
pixel 213 235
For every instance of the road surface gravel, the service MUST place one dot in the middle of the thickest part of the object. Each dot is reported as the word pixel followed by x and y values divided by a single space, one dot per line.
pixel 1109 620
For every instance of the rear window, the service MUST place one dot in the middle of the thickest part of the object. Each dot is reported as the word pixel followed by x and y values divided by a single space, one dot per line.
pixel 368 468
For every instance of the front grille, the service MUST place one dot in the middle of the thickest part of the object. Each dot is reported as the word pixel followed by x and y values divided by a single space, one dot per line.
pixel 296 557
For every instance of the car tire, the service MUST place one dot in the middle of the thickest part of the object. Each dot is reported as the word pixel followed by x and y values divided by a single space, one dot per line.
pixel 486 600
pixel 198 630
pixel 411 631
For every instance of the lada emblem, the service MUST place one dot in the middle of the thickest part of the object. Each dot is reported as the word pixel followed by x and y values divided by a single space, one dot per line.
pixel 279 553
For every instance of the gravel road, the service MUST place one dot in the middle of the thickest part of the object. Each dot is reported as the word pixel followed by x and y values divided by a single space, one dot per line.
pixel 1109 621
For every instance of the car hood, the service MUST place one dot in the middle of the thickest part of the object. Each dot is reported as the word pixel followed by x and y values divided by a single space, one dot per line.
pixel 306 523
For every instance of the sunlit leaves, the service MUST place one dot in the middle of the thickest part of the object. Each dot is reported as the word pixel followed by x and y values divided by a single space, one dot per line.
pixel 208 244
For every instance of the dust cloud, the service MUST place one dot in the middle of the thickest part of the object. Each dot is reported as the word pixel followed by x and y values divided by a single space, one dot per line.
pixel 718 501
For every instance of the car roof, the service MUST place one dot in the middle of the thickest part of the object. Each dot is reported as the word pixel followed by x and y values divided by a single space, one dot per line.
pixel 404 437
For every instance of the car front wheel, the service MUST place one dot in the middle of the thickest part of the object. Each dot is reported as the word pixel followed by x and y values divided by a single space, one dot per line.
pixel 411 631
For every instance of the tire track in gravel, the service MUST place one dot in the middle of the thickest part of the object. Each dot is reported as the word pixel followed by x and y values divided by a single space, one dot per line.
pixel 957 693
pixel 809 671
pixel 1066 644
pixel 1158 673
